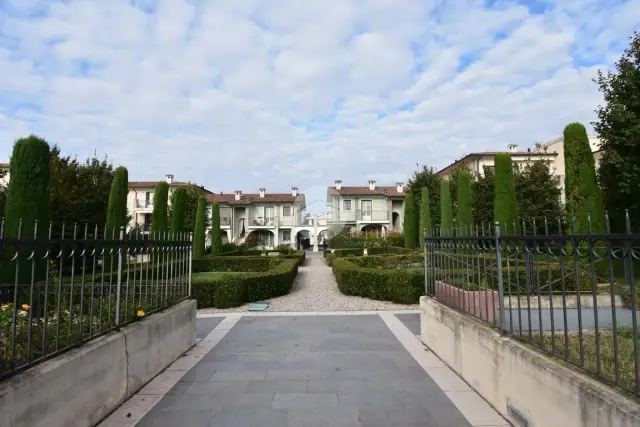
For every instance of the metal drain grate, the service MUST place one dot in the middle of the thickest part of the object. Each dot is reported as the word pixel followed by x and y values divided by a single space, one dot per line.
pixel 517 416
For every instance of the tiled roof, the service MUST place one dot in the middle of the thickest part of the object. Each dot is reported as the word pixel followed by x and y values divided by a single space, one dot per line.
pixel 493 153
pixel 247 199
pixel 4 165
pixel 152 184
pixel 365 191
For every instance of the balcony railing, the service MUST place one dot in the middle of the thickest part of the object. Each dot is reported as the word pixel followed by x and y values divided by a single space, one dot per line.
pixel 144 204
pixel 260 221
pixel 359 215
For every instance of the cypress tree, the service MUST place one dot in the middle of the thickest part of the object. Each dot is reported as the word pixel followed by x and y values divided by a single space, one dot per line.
pixel 464 215
pixel 583 196
pixel 410 222
pixel 28 200
pixel 159 217
pixel 198 232
pixel 178 210
pixel 446 209
pixel 117 207
pixel 504 206
pixel 216 239
pixel 425 215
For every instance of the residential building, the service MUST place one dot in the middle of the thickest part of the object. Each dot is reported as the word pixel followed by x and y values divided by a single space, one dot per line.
pixel 370 208
pixel 140 199
pixel 551 152
pixel 4 172
pixel 274 219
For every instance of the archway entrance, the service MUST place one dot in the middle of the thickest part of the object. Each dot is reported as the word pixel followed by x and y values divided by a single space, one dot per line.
pixel 303 240
pixel 262 238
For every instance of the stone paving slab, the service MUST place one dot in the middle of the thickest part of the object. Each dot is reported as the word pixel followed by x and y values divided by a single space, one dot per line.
pixel 411 321
pixel 306 371
pixel 206 325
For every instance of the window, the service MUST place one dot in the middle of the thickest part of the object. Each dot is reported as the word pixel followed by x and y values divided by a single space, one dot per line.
pixel 286 235
pixel 269 213
pixel 147 198
pixel 346 205
pixel 286 211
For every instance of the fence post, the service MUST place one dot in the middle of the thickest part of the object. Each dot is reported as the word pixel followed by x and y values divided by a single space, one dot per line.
pixel 426 275
pixel 119 279
pixel 190 256
pixel 500 280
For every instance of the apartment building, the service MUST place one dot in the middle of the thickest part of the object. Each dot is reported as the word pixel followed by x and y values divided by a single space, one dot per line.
pixel 272 218
pixel 551 152
pixel 140 199
pixel 366 208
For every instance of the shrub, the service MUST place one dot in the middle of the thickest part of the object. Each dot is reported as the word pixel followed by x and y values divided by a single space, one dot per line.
pixel 216 240
pixel 410 225
pixel 504 206
pixel 387 250
pixel 198 232
pixel 464 215
pixel 159 217
pixel 583 195
pixel 425 215
pixel 365 240
pixel 446 209
pixel 234 263
pixel 399 285
pixel 232 290
pixel 412 260
pixel 228 247
pixel 28 201
pixel 178 210
pixel 117 208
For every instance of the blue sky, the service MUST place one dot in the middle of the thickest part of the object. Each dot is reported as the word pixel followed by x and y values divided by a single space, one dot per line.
pixel 243 95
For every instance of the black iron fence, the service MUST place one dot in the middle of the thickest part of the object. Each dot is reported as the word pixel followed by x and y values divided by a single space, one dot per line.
pixel 569 294
pixel 57 292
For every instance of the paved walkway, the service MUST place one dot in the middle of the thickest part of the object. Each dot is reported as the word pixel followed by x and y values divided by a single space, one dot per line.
pixel 304 370
pixel 315 289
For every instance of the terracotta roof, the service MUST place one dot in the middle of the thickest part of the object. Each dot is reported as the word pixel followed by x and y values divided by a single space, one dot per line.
pixel 247 199
pixel 493 153
pixel 152 184
pixel 4 165
pixel 365 191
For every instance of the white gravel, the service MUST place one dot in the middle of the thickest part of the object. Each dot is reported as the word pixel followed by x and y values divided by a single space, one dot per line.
pixel 315 289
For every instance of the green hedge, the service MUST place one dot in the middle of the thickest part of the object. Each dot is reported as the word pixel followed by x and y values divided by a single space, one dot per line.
pixel 387 250
pixel 399 285
pixel 215 289
pixel 414 260
pixel 234 263
pixel 361 241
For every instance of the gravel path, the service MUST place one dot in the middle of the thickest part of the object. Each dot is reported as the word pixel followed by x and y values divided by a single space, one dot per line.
pixel 315 289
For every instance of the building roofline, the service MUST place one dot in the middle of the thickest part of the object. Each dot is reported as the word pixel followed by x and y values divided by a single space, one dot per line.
pixel 493 153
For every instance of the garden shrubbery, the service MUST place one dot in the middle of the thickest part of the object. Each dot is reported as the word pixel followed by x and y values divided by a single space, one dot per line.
pixel 397 284
pixel 366 240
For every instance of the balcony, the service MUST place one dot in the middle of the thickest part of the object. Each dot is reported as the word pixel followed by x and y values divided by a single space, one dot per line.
pixel 359 216
pixel 225 221
pixel 259 221
pixel 141 204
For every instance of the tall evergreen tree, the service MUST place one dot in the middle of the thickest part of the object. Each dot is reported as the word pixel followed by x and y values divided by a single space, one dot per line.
pixel 583 195
pixel 538 196
pixel 216 239
pixel 199 230
pixel 425 215
pixel 426 177
pixel 159 217
pixel 178 210
pixel 28 201
pixel 483 197
pixel 464 214
pixel 446 209
pixel 410 222
pixel 505 209
pixel 117 207
pixel 618 127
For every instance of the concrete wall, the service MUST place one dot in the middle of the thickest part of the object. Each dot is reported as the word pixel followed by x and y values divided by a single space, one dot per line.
pixel 82 386
pixel 502 370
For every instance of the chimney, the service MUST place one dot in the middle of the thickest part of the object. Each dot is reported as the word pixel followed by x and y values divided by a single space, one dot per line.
pixel 294 191
pixel 262 190
pixel 372 185
pixel 169 179
pixel 238 194
pixel 338 184
pixel 513 148
pixel 399 187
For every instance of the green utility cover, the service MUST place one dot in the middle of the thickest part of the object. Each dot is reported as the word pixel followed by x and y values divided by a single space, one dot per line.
pixel 258 306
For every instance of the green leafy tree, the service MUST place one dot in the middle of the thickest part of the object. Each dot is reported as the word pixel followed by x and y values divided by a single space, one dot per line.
pixel 28 200
pixel 464 213
pixel 178 205
pixel 618 127
pixel 216 239
pixel 583 195
pixel 425 215
pixel 538 196
pixel 505 209
pixel 446 209
pixel 426 176
pixel 3 193
pixel 159 217
pixel 199 230
pixel 193 193
pixel 410 222
pixel 482 200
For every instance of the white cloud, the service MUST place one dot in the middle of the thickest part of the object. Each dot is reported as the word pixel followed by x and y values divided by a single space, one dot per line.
pixel 240 95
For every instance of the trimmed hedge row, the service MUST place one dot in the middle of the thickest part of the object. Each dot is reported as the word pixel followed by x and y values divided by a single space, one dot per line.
pixel 246 263
pixel 390 262
pixel 214 289
pixel 399 285
pixel 365 240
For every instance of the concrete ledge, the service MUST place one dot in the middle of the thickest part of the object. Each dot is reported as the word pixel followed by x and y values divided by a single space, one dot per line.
pixel 504 371
pixel 81 387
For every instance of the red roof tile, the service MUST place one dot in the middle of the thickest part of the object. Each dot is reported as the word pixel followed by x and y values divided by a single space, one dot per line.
pixel 152 184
